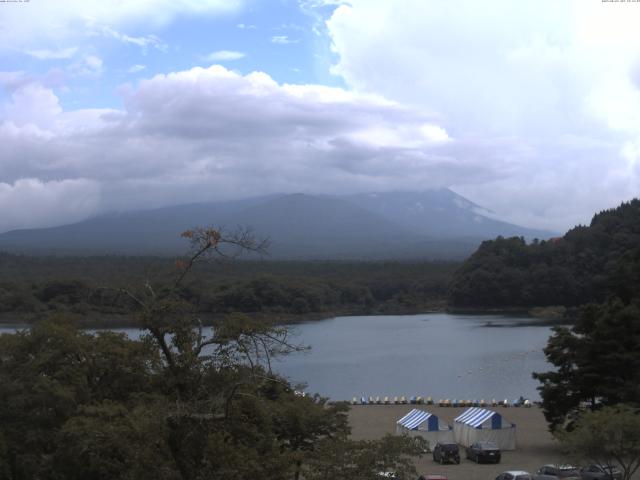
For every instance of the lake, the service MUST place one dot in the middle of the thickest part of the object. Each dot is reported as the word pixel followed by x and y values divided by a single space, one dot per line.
pixel 436 354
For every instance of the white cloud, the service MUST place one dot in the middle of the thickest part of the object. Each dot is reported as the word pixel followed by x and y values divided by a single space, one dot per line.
pixel 282 39
pixel 400 136
pixel 88 66
pixel 59 54
pixel 224 55
pixel 33 104
pixel 434 133
pixel 34 25
pixel 136 68
pixel 544 94
pixel 142 41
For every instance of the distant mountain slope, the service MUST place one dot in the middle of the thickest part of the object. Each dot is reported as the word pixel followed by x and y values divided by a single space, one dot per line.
pixel 299 226
pixel 441 213
pixel 587 264
pixel 322 227
pixel 434 224
pixel 145 231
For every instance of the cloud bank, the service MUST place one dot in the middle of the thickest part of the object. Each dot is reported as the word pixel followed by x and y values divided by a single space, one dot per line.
pixel 530 109
pixel 544 92
pixel 211 133
pixel 30 203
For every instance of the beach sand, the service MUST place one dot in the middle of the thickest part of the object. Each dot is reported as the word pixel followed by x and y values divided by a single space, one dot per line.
pixel 535 445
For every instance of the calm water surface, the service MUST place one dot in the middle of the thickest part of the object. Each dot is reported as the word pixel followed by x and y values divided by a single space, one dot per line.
pixel 441 355
pixel 436 354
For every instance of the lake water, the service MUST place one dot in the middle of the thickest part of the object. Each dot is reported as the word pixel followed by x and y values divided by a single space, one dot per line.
pixel 436 354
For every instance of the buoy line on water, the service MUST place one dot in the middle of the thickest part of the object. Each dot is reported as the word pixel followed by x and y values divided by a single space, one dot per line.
pixel 427 400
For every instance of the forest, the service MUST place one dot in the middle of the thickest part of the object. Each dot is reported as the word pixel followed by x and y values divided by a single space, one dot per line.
pixel 176 404
pixel 31 287
pixel 588 264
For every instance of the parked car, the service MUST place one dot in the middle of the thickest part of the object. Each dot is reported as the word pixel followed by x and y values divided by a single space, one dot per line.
pixel 543 477
pixel 564 472
pixel 600 472
pixel 484 452
pixel 446 453
pixel 514 475
pixel 432 477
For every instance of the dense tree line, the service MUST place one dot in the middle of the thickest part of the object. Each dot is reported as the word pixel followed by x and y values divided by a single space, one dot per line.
pixel 176 404
pixel 32 286
pixel 588 264
pixel 591 398
pixel 596 360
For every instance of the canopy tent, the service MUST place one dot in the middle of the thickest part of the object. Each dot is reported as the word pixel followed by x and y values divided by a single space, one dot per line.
pixel 425 425
pixel 481 425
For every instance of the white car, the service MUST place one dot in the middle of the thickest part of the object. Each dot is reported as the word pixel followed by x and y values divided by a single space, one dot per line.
pixel 514 475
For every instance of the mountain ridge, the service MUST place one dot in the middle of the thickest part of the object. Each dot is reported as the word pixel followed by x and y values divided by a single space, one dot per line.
pixel 434 224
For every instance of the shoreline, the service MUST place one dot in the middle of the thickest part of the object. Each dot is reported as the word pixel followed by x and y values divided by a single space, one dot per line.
pixel 127 320
pixel 104 320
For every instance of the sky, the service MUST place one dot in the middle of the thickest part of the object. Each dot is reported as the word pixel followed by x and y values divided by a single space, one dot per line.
pixel 530 108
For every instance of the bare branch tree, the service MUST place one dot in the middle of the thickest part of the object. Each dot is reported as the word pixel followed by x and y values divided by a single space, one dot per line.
pixel 172 324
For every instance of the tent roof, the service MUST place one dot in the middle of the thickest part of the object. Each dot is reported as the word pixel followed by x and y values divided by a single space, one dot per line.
pixel 475 417
pixel 414 418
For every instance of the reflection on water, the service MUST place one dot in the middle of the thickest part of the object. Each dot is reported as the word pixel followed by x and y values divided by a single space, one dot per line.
pixel 438 355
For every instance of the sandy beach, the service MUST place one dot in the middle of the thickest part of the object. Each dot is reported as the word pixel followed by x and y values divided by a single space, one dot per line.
pixel 535 445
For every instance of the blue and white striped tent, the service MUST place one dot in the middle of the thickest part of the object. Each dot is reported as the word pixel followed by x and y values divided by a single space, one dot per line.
pixel 426 425
pixel 482 425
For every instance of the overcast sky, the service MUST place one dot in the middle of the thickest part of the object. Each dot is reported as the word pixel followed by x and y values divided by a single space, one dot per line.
pixel 530 108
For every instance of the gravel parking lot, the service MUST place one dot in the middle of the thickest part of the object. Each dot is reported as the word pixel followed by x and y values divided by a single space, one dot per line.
pixel 536 446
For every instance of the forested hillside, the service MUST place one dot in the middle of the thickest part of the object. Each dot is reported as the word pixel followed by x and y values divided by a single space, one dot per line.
pixel 588 264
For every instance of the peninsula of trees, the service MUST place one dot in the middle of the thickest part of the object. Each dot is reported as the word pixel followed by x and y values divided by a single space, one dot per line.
pixel 588 264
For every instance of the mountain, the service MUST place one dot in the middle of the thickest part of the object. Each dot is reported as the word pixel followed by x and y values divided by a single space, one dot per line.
pixel 441 213
pixel 431 224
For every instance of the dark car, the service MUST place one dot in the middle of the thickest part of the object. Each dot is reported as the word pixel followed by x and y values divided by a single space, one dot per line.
pixel 564 472
pixel 544 477
pixel 446 453
pixel 600 472
pixel 484 452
